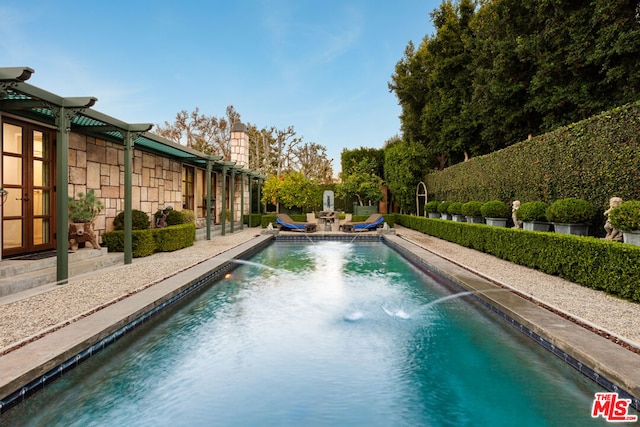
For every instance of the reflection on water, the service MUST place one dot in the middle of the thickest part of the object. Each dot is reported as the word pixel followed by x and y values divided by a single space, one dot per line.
pixel 325 334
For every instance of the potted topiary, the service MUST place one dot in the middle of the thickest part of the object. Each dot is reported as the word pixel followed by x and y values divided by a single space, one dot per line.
pixel 83 210
pixel 533 216
pixel 455 209
pixel 432 209
pixel 472 212
pixel 495 212
pixel 570 216
pixel 626 218
pixel 443 209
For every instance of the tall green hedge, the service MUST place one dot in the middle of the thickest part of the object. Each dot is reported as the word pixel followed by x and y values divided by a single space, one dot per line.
pixel 612 267
pixel 594 160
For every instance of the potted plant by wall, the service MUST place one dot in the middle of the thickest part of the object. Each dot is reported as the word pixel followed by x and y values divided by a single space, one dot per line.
pixel 472 211
pixel 570 216
pixel 533 216
pixel 495 212
pixel 455 210
pixel 443 210
pixel 83 210
pixel 431 208
pixel 626 218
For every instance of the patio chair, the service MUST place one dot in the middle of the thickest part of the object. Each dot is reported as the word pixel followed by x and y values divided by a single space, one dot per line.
pixel 374 221
pixel 286 223
pixel 346 220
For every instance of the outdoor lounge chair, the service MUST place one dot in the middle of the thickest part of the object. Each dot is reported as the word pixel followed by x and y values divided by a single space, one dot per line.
pixel 286 223
pixel 374 221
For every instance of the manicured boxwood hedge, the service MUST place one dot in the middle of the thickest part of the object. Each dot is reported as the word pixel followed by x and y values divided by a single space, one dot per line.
pixel 148 242
pixel 612 267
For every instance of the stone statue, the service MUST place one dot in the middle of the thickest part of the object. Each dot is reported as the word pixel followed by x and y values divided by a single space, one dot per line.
pixel 81 233
pixel 516 222
pixel 612 233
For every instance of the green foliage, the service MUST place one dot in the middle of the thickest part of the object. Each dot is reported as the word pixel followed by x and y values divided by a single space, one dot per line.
pixel 361 183
pixel 374 158
pixel 431 207
pixel 188 216
pixel 175 217
pixel 603 265
pixel 626 217
pixel 455 208
pixel 570 211
pixel 85 207
pixel 404 163
pixel 252 220
pixel 291 189
pixel 443 207
pixel 532 211
pixel 472 208
pixel 139 220
pixel 495 209
pixel 592 160
pixel 147 242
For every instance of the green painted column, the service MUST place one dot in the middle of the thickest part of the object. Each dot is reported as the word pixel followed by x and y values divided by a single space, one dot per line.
pixel 250 201
pixel 128 204
pixel 208 203
pixel 242 201
pixel 63 123
pixel 223 204
pixel 232 199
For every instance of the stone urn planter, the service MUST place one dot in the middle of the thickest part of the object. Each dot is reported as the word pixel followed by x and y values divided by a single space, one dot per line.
pixel 443 208
pixel 83 210
pixel 459 218
pixel 495 213
pixel 432 209
pixel 536 226
pixel 434 215
pixel 569 228
pixel 496 222
pixel 455 210
pixel 472 212
pixel 626 218
pixel 570 216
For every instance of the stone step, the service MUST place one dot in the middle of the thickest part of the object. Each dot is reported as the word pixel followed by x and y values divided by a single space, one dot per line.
pixel 19 276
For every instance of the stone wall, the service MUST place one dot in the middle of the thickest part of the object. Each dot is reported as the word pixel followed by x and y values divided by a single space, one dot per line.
pixel 99 165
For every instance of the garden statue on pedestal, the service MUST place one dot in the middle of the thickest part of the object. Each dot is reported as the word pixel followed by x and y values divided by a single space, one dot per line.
pixel 83 211
pixel 612 233
pixel 514 209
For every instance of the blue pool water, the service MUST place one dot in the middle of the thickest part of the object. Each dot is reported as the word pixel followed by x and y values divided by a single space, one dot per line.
pixel 326 334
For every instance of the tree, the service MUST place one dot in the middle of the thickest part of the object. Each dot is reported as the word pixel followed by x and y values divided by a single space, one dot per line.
pixel 313 162
pixel 291 189
pixel 210 135
pixel 404 167
pixel 361 183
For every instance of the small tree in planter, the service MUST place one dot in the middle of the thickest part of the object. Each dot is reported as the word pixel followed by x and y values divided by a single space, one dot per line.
pixel 626 218
pixel 533 216
pixel 432 209
pixel 495 212
pixel 570 216
pixel 443 209
pixel 83 211
pixel 455 210
pixel 473 212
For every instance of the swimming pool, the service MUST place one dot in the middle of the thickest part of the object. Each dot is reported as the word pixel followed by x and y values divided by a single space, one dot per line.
pixel 331 333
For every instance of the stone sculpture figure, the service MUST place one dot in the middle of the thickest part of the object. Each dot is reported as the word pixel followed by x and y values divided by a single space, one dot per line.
pixel 81 233
pixel 612 233
pixel 514 208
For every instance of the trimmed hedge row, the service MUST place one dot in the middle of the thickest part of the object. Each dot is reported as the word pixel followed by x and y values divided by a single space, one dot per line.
pixel 612 267
pixel 148 242
pixel 593 159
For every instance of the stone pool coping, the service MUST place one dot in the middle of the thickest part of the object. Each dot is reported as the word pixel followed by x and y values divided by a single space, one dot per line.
pixel 602 360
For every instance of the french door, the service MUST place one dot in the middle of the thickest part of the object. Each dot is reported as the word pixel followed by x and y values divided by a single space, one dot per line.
pixel 28 212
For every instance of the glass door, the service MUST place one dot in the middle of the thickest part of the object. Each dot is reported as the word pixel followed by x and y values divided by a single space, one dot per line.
pixel 28 218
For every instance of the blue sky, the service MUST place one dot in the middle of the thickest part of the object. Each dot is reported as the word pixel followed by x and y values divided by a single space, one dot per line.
pixel 322 67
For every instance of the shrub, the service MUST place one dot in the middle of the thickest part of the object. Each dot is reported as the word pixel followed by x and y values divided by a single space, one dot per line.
pixel 142 241
pixel 455 208
pixel 626 217
pixel 570 211
pixel 188 216
pixel 472 208
pixel 443 207
pixel 532 211
pixel 139 221
pixel 431 207
pixel 175 217
pixel 172 238
pixel 495 209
